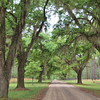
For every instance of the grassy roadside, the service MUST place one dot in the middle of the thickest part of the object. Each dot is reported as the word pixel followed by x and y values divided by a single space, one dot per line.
pixel 89 86
pixel 30 92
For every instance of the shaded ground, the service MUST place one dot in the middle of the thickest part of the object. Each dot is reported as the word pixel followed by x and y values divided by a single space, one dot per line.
pixel 59 90
pixel 21 89
pixel 31 92
pixel 41 94
pixel 95 93
pixel 89 86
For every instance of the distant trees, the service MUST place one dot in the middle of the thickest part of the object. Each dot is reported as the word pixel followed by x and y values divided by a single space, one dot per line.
pixel 83 55
pixel 92 70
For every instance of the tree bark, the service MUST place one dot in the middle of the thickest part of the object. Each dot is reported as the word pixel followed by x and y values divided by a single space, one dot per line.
pixel 40 75
pixel 64 76
pixel 21 65
pixel 79 77
pixel 17 35
pixel 87 73
pixel 4 83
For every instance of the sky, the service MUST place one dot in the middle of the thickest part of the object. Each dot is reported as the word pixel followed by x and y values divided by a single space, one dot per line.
pixel 54 19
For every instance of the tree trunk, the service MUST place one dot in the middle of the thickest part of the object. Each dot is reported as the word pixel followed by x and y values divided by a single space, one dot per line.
pixel 4 82
pixel 64 76
pixel 40 75
pixel 23 55
pixel 4 85
pixel 87 73
pixel 5 66
pixel 48 77
pixel 21 65
pixel 20 78
pixel 32 80
pixel 79 77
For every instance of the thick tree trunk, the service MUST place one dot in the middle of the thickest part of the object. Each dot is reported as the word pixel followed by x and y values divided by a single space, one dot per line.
pixel 21 66
pixel 40 75
pixel 4 85
pixel 20 80
pixel 23 55
pixel 5 66
pixel 4 82
pixel 79 77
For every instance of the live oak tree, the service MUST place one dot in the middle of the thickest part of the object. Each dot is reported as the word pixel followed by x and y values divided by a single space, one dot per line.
pixel 86 18
pixel 37 55
pixel 74 51
pixel 6 10
pixel 13 14
pixel 77 58
pixel 80 59
pixel 37 20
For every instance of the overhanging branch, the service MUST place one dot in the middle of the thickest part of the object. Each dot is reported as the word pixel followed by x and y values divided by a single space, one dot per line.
pixel 34 37
pixel 44 15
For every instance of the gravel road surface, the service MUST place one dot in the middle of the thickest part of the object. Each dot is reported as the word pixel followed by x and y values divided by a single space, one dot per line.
pixel 59 90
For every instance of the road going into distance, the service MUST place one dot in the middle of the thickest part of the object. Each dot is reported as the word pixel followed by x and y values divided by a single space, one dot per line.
pixel 59 90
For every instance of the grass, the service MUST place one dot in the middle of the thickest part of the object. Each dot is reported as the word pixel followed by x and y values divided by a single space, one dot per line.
pixel 88 85
pixel 33 90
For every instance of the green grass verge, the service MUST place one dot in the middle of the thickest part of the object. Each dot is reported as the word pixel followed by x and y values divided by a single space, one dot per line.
pixel 33 90
pixel 89 85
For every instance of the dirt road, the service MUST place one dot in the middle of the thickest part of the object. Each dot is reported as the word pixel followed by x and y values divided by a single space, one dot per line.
pixel 59 90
